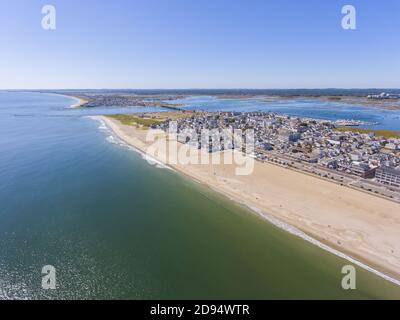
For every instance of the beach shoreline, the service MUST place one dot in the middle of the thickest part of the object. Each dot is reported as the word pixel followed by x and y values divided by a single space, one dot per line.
pixel 80 102
pixel 349 235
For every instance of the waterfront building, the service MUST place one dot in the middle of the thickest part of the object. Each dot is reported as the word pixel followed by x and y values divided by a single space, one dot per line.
pixel 388 175
pixel 362 169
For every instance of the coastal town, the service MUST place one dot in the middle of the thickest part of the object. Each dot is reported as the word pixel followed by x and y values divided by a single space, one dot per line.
pixel 121 99
pixel 166 98
pixel 200 158
pixel 362 160
pixel 336 150
pixel 383 95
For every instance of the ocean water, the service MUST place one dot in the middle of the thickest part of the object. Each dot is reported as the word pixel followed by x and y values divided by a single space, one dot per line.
pixel 115 226
pixel 301 107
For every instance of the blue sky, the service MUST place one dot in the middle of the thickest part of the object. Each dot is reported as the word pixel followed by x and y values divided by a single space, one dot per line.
pixel 199 44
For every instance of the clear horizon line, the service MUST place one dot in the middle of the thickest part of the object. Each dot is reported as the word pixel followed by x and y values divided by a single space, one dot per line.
pixel 203 88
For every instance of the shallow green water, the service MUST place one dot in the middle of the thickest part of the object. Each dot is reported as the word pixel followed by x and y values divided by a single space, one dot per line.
pixel 115 226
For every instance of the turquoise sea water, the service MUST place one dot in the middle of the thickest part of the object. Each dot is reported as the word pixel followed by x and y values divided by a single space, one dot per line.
pixel 115 226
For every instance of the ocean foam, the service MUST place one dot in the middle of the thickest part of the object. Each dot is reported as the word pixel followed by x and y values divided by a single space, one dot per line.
pixel 113 138
pixel 293 230
pixel 276 222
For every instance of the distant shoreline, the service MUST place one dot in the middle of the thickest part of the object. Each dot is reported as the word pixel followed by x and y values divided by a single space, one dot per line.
pixel 120 97
pixel 321 220
pixel 80 102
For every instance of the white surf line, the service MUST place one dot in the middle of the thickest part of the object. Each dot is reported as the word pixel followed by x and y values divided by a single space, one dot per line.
pixel 78 101
pixel 283 225
pixel 151 160
pixel 297 232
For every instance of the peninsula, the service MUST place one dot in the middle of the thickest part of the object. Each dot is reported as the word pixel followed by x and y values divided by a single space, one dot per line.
pixel 351 220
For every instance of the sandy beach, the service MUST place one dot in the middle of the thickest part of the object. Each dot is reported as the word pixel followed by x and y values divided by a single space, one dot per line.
pixel 364 227
pixel 79 102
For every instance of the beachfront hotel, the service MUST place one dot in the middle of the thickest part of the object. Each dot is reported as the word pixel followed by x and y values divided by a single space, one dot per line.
pixel 388 176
